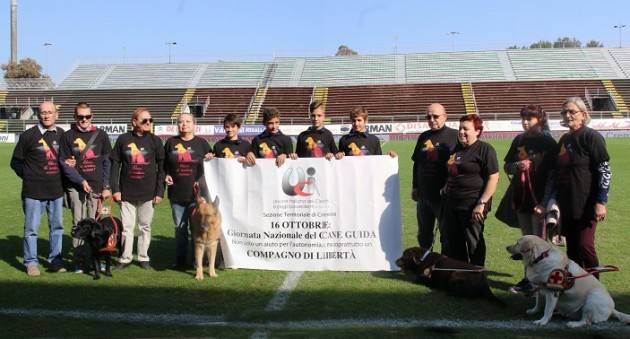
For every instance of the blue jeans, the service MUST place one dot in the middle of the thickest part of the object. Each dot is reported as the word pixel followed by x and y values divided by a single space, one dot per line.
pixel 181 217
pixel 33 210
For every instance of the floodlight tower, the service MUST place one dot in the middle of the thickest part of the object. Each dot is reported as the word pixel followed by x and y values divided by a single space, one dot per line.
pixel 170 45
pixel 13 59
pixel 619 27
pixel 453 34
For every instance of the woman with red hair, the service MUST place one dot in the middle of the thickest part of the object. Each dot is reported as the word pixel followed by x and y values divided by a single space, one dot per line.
pixel 473 174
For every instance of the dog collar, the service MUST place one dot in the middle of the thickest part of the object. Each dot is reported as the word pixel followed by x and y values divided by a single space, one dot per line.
pixel 542 256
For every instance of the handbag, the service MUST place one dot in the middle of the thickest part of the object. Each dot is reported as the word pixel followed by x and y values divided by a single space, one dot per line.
pixel 506 213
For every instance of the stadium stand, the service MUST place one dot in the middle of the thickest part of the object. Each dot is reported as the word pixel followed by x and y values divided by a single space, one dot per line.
pixel 291 102
pixel 393 102
pixel 114 105
pixel 222 101
pixel 392 87
pixel 503 100
pixel 453 67
pixel 623 90
pixel 560 63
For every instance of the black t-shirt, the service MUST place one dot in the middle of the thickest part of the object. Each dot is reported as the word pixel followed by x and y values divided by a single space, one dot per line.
pixel 468 171
pixel 429 161
pixel 268 145
pixel 36 160
pixel 138 167
pixel 315 143
pixel 360 143
pixel 184 163
pixel 579 153
pixel 74 143
pixel 225 148
pixel 538 148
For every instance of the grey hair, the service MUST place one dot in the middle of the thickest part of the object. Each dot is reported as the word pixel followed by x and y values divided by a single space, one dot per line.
pixel 577 101
pixel 194 120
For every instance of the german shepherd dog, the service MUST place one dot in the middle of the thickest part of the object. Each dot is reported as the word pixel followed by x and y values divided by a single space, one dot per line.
pixel 456 277
pixel 95 233
pixel 206 231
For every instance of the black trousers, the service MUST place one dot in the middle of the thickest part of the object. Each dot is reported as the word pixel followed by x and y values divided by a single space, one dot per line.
pixel 464 235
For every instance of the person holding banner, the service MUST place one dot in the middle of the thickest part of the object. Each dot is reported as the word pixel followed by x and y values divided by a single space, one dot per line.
pixel 359 142
pixel 473 174
pixel 137 180
pixel 271 143
pixel 88 180
pixel 433 148
pixel 232 146
pixel 316 141
pixel 183 167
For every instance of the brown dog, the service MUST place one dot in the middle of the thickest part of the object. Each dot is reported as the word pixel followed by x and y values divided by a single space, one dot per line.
pixel 439 271
pixel 206 228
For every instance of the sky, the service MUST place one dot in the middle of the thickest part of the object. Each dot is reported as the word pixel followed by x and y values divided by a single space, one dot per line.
pixel 116 31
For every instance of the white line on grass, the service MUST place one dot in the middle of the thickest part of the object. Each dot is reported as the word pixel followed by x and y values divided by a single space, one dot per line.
pixel 260 334
pixel 264 327
pixel 282 294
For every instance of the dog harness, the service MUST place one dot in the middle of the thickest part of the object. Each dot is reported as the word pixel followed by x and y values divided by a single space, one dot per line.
pixel 112 241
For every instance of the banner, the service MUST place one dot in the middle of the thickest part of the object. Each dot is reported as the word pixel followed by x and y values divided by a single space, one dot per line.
pixel 310 214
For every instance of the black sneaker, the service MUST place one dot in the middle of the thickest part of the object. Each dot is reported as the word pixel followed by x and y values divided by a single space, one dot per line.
pixel 56 267
pixel 523 286
pixel 146 265
pixel 122 265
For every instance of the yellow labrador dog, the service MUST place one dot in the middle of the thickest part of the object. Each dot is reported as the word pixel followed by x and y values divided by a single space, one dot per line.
pixel 583 298
pixel 206 228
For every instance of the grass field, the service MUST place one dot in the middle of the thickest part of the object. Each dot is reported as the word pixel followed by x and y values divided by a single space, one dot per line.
pixel 234 304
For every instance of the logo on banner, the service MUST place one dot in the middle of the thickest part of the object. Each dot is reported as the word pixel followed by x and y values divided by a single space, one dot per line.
pixel 305 184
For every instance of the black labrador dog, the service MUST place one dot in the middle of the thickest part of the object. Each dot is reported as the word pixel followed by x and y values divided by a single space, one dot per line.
pixel 95 233
pixel 438 271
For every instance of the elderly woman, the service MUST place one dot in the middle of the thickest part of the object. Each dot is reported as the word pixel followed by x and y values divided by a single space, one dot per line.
pixel 528 161
pixel 581 180
pixel 473 174
pixel 184 168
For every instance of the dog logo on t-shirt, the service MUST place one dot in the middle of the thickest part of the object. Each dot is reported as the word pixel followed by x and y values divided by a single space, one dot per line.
pixel 50 155
pixel 563 155
pixel 227 153
pixel 183 154
pixel 266 151
pixel 89 154
pixel 452 165
pixel 137 158
pixel 431 150
pixel 313 146
pixel 355 150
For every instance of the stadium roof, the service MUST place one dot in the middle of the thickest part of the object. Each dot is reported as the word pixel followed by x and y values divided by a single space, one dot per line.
pixel 477 66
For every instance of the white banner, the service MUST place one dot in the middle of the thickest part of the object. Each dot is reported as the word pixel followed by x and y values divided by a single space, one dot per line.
pixel 7 138
pixel 309 214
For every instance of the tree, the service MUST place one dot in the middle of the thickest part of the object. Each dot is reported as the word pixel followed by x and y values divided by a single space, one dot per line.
pixel 541 44
pixel 344 50
pixel 26 69
pixel 567 42
pixel 594 44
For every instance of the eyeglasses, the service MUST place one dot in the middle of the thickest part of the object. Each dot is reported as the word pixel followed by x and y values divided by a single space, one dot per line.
pixel 146 121
pixel 569 111
pixel 84 117
pixel 47 112
pixel 434 116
